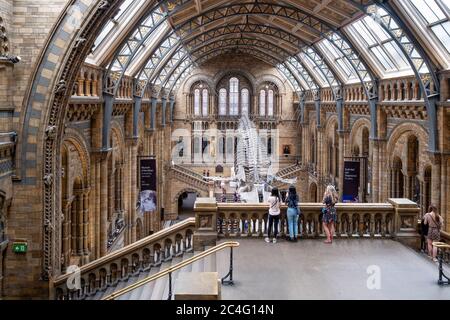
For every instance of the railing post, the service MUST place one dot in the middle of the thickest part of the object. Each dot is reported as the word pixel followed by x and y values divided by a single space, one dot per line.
pixel 205 233
pixel 170 286
pixel 406 213
pixel 230 272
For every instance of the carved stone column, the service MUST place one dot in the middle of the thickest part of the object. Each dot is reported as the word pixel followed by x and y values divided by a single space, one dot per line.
pixel 133 191
pixel 103 205
pixel 86 221
pixel 65 252
pixel 375 173
pixel 80 224
pixel 436 179
pixel 73 224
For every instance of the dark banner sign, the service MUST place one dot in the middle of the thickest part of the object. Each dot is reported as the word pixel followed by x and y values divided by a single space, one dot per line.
pixel 147 173
pixel 351 181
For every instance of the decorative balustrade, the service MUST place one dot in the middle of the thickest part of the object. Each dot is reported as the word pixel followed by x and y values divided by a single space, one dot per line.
pixel 395 219
pixel 131 260
pixel 365 220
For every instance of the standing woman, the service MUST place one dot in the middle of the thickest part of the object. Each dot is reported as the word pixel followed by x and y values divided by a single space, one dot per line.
pixel 293 213
pixel 274 214
pixel 329 216
pixel 434 222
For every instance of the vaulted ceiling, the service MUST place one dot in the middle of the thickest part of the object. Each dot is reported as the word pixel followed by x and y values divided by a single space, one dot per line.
pixel 308 40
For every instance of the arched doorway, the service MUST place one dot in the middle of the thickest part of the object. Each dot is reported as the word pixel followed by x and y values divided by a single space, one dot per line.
pixel 186 202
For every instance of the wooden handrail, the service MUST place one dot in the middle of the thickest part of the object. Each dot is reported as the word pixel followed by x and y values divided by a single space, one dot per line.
pixel 129 248
pixel 228 244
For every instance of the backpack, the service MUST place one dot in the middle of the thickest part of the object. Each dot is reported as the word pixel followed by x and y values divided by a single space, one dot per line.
pixel 293 204
pixel 424 228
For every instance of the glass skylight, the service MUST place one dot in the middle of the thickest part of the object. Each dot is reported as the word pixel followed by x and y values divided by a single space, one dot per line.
pixel 381 48
pixel 314 70
pixel 435 14
pixel 337 59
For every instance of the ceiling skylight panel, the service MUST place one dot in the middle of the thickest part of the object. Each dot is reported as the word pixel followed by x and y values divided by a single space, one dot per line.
pixel 382 49
pixel 337 60
pixel 314 69
pixel 432 20
pixel 429 9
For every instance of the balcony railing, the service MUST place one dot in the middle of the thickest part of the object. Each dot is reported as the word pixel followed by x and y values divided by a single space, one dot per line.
pixel 395 219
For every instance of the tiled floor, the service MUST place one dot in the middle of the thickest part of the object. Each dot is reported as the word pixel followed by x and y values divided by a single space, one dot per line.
pixel 310 269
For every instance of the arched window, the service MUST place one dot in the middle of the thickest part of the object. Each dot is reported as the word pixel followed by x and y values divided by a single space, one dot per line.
pixel 244 101
pixel 262 103
pixel 205 102
pixel 197 102
pixel 234 96
pixel 223 102
pixel 270 103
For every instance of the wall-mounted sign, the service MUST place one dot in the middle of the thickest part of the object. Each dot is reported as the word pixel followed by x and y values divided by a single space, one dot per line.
pixel 351 181
pixel 20 247
pixel 147 172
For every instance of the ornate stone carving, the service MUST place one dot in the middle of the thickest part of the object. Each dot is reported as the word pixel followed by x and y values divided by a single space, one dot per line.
pixel 79 42
pixel 104 5
pixel 61 86
pixel 48 179
pixel 4 49
pixel 50 132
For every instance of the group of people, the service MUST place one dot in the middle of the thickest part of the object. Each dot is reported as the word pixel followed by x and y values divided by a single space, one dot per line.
pixel 432 222
pixel 328 213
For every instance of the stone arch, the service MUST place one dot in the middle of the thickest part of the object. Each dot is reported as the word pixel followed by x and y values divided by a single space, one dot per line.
pixel 77 140
pixel 330 126
pixel 407 128
pixel 356 131
pixel 183 189
pixel 118 134
pixel 312 192
pixel 245 74
pixel 191 80
pixel 188 190
pixel 271 78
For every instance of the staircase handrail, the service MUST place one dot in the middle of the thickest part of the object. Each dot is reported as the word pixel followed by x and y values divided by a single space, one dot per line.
pixel 182 264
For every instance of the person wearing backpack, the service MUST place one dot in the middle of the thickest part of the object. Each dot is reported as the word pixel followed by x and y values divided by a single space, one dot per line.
pixel 293 213
pixel 434 222
pixel 274 214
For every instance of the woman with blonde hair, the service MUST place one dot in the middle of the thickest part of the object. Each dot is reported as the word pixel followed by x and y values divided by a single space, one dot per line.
pixel 329 216
pixel 434 222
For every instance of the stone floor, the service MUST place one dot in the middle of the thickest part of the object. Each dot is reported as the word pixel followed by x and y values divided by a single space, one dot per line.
pixel 310 269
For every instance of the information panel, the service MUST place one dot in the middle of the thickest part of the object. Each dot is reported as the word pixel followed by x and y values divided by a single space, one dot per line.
pixel 147 173
pixel 351 181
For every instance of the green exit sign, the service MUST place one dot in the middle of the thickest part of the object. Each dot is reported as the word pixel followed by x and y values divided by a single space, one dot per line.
pixel 20 247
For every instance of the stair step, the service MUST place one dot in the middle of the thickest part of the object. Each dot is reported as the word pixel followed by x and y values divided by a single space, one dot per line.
pixel 210 263
pixel 222 262
pixel 160 284
pixel 131 280
pixel 174 278
pixel 147 289
pixel 186 256
pixel 199 265
pixel 110 290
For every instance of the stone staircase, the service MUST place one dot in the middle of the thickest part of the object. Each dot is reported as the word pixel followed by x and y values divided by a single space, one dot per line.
pixel 190 177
